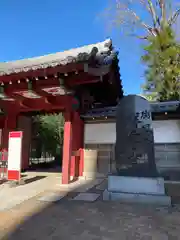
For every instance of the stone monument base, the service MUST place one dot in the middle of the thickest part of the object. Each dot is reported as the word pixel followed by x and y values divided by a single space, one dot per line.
pixel 136 189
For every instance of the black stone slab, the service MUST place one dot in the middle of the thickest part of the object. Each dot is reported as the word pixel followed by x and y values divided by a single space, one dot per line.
pixel 134 150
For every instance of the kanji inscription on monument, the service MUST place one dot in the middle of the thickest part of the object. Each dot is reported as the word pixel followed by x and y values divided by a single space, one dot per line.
pixel 134 150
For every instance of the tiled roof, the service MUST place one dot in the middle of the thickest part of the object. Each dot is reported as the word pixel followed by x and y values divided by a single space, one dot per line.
pixel 102 52
pixel 156 107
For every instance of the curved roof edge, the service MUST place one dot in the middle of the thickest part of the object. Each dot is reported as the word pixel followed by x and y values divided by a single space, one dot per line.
pixel 103 51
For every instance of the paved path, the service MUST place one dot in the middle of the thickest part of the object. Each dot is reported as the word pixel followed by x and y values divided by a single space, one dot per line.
pixel 35 215
pixel 74 220
pixel 10 197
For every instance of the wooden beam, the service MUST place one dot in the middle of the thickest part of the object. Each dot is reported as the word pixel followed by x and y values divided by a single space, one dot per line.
pixel 20 100
pixel 37 109
pixel 69 81
pixel 37 103
pixel 32 103
pixel 97 71
pixel 82 78
pixel 42 72
pixel 23 85
pixel 42 104
pixel 73 80
pixel 9 106
pixel 46 101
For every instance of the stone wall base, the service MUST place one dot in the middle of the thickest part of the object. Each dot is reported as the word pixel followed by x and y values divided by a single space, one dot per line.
pixel 137 190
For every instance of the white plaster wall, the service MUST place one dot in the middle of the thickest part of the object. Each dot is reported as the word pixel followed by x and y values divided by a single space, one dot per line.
pixel 167 131
pixel 100 133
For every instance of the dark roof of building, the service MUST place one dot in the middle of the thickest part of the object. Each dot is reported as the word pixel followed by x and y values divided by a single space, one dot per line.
pixel 103 53
pixel 156 107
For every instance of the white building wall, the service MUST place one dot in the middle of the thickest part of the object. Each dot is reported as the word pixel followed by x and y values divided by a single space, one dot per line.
pixel 167 131
pixel 100 133
pixel 166 138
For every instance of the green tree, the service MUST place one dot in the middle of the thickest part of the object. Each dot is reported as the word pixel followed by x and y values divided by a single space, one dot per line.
pixel 49 133
pixel 162 57
pixel 152 21
pixel 150 96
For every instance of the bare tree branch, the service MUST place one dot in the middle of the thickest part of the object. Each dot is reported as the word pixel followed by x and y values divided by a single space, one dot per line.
pixel 162 6
pixel 139 37
pixel 125 13
pixel 146 26
pixel 137 18
pixel 153 12
pixel 174 17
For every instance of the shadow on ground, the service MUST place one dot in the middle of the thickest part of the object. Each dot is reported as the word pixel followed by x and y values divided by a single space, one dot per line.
pixel 69 219
pixel 33 179
pixel 44 167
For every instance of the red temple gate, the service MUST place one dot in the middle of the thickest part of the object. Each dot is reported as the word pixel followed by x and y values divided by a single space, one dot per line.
pixel 71 82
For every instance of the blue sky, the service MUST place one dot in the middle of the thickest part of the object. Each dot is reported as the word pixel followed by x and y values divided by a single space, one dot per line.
pixel 37 27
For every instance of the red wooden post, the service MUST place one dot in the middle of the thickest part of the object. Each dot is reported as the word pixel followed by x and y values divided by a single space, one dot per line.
pixel 4 154
pixel 77 145
pixel 81 161
pixel 4 159
pixel 67 148
pixel 73 172
pixel 10 125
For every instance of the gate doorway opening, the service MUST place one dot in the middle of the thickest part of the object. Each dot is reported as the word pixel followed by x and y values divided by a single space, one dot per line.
pixel 46 142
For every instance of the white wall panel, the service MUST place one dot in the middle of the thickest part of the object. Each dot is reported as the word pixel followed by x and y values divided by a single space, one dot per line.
pixel 167 131
pixel 100 133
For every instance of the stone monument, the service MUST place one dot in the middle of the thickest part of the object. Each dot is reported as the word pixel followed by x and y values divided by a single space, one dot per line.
pixel 137 178
pixel 134 150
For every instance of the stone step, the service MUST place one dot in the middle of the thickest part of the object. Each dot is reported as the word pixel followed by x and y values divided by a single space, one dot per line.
pixel 137 198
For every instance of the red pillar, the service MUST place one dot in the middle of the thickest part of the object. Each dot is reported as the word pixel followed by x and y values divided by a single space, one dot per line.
pixel 73 167
pixel 77 145
pixel 10 125
pixel 81 162
pixel 73 155
pixel 67 148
